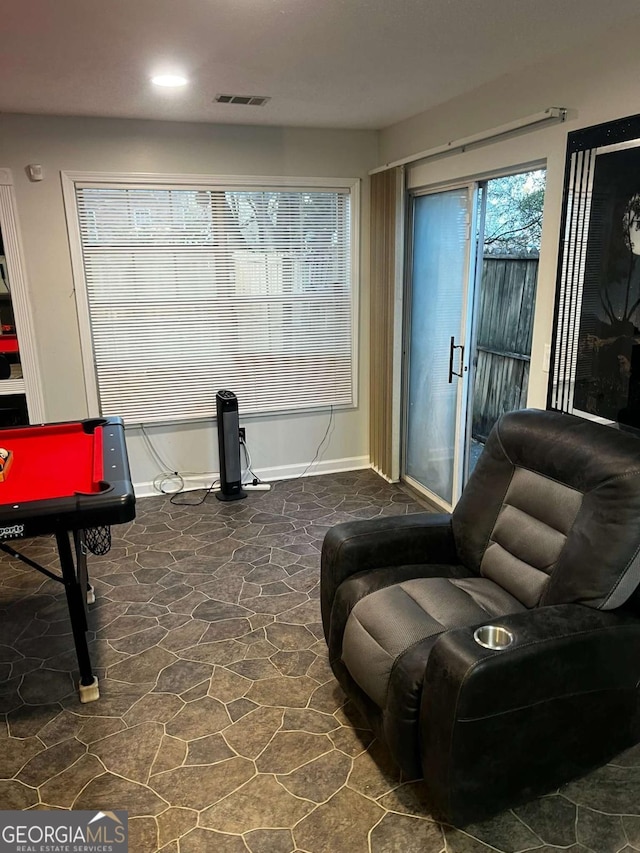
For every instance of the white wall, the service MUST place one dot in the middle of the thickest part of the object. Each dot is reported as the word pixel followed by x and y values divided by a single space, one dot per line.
pixel 280 445
pixel 597 83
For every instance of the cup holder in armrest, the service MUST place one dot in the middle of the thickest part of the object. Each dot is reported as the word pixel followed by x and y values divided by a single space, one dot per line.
pixel 493 637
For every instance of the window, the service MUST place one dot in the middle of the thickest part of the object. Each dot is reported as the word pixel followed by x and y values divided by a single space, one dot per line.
pixel 190 289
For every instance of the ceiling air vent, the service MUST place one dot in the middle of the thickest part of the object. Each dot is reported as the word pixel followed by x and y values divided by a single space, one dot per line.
pixel 244 100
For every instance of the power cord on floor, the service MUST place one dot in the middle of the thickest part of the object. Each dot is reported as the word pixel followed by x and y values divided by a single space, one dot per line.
pixel 169 475
pixel 248 469
pixel 207 492
pixel 160 481
pixel 317 453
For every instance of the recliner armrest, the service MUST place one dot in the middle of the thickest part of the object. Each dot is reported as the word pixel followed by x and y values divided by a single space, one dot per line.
pixel 515 714
pixel 558 649
pixel 356 546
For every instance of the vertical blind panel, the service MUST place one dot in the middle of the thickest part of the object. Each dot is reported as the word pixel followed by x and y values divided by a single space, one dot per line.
pixel 571 283
pixel 383 236
pixel 190 291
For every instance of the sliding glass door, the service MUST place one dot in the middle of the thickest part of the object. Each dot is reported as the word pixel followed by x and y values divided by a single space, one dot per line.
pixel 471 298
pixel 436 377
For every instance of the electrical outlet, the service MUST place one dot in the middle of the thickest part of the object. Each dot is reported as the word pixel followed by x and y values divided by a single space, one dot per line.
pixel 242 433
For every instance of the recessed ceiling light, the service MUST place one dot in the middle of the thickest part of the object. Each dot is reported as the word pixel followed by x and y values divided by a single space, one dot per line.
pixel 169 80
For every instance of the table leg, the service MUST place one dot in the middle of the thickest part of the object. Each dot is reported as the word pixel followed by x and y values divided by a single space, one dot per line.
pixel 75 589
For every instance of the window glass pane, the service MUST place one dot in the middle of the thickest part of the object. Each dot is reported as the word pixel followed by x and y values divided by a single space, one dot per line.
pixel 190 291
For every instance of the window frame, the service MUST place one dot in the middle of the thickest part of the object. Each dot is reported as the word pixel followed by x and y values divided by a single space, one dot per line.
pixel 71 180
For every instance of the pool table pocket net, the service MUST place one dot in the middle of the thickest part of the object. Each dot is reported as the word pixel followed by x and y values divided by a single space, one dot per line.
pixel 98 540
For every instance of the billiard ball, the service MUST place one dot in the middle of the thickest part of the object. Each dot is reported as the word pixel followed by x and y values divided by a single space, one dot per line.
pixel 3 453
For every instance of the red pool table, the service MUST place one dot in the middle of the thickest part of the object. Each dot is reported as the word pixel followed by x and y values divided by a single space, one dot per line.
pixel 65 478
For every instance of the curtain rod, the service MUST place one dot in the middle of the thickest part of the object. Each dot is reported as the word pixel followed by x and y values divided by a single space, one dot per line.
pixel 551 114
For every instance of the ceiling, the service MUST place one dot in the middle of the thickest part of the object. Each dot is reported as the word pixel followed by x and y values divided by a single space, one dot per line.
pixel 324 63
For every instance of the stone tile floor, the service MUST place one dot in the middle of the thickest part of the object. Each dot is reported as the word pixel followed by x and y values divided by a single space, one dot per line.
pixel 220 726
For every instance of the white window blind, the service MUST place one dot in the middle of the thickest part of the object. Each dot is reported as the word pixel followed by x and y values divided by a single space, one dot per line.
pixel 194 290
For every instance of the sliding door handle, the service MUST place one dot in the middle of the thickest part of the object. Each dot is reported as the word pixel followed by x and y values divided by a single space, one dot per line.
pixel 453 346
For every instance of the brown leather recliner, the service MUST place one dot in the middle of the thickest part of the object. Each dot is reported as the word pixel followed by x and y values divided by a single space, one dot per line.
pixel 544 544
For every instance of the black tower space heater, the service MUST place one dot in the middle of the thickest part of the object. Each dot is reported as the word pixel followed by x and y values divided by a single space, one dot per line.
pixel 229 447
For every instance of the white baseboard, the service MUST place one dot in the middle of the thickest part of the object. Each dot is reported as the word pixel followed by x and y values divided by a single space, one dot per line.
pixel 269 475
